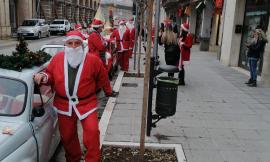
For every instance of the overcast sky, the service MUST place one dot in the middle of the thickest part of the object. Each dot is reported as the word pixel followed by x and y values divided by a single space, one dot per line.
pixel 119 2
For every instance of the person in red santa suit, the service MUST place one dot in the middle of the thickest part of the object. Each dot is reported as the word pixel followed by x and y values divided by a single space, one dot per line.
pixel 96 43
pixel 185 43
pixel 121 36
pixel 131 28
pixel 75 74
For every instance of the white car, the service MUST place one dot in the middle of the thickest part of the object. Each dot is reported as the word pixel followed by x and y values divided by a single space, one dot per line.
pixel 28 123
pixel 60 26
pixel 33 28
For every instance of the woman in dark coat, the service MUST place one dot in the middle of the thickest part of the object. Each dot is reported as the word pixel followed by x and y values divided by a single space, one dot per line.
pixel 172 51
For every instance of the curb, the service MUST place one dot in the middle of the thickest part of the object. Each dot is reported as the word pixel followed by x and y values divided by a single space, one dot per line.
pixel 177 147
pixel 105 118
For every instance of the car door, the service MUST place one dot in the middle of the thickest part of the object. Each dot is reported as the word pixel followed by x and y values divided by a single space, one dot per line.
pixel 43 28
pixel 46 127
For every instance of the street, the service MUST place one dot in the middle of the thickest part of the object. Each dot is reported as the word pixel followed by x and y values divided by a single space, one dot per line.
pixel 33 44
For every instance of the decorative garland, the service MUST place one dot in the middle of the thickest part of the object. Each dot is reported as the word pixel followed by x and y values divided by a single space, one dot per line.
pixel 23 58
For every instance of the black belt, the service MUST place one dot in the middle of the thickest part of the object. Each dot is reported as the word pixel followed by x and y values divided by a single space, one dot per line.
pixel 74 99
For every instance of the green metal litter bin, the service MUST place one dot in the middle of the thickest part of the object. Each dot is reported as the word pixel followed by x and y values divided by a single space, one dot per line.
pixel 166 96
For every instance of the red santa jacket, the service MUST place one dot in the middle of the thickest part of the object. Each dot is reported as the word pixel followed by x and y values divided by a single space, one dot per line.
pixel 122 42
pixel 132 38
pixel 91 74
pixel 185 46
pixel 96 43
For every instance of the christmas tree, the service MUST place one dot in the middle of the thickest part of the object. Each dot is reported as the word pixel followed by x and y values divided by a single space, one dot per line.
pixel 23 58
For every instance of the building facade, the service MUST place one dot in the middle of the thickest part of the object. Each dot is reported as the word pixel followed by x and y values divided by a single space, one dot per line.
pixel 117 10
pixel 13 12
pixel 224 26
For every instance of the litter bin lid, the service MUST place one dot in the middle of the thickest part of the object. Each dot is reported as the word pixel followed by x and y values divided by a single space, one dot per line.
pixel 167 80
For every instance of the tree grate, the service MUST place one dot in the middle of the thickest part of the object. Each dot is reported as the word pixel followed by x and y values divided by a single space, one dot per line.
pixel 129 85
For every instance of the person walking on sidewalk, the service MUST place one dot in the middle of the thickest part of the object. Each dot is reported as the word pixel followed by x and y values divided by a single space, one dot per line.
pixel 255 50
pixel 121 36
pixel 172 51
pixel 185 44
pixel 75 75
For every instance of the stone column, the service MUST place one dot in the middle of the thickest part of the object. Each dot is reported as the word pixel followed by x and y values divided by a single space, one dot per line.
pixel 231 41
pixel 192 21
pixel 266 62
pixel 24 10
pixel 214 33
pixel 5 29
pixel 206 27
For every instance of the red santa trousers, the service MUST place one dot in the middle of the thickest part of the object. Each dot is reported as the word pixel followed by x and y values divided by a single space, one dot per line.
pixel 70 140
pixel 124 60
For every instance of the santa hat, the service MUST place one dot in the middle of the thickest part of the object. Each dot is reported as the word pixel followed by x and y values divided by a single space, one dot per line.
pixel 74 35
pixel 122 22
pixel 97 23
pixel 78 26
pixel 185 26
pixel 131 19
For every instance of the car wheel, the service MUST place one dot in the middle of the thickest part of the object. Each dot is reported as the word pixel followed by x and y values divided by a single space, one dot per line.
pixel 48 35
pixel 39 35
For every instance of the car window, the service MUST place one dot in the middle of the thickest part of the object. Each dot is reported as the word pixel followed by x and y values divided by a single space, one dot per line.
pixel 12 96
pixel 58 22
pixel 66 23
pixel 53 50
pixel 46 94
pixel 29 22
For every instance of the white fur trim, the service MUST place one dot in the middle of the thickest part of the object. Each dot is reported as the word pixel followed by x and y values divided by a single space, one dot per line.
pixel 81 117
pixel 183 27
pixel 96 26
pixel 74 95
pixel 73 37
pixel 68 113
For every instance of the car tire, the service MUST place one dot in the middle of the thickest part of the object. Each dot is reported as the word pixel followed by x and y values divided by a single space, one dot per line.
pixel 48 34
pixel 39 35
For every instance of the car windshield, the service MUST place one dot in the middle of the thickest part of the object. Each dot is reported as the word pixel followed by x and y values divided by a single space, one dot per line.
pixel 12 96
pixel 29 22
pixel 58 22
pixel 53 50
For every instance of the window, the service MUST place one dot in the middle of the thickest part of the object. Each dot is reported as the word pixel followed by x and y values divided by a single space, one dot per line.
pixel 46 93
pixel 12 96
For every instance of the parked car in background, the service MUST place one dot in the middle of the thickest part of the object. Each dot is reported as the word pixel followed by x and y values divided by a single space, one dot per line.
pixel 29 125
pixel 59 26
pixel 33 28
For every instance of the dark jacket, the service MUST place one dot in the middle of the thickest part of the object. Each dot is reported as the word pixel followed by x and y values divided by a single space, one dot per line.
pixel 255 50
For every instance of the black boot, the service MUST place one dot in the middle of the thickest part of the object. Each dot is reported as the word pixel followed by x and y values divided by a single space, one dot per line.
pixel 253 84
pixel 181 76
pixel 249 81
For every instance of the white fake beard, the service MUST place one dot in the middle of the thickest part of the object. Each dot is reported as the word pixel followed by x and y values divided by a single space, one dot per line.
pixel 130 26
pixel 122 29
pixel 74 56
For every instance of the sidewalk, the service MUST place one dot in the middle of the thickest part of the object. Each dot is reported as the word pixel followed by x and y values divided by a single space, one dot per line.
pixel 218 118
